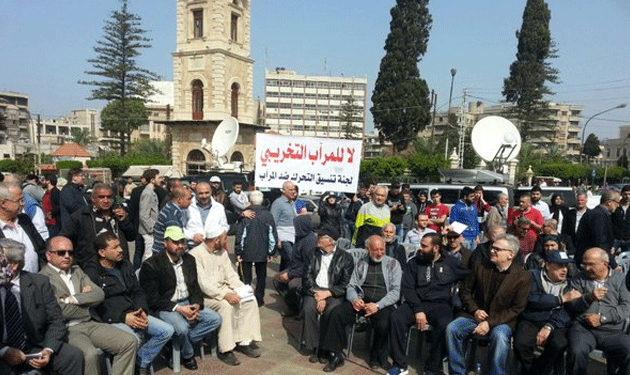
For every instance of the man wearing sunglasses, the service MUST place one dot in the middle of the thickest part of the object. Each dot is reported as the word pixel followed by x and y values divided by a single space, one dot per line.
pixel 493 296
pixel 76 295
pixel 85 224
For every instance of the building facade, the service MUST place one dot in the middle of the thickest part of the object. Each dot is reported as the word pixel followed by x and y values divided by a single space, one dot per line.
pixel 614 148
pixel 159 110
pixel 213 79
pixel 562 129
pixel 315 106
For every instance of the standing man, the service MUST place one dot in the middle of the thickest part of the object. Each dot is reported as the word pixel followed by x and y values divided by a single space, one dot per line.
pixel 148 211
pixel 169 279
pixel 204 213
pixel 537 202
pixel 601 313
pixel 77 295
pixel 426 287
pixel 217 192
pixel 31 320
pixel 359 199
pixel 493 296
pixel 255 243
pixel 371 217
pixel 18 226
pixel 373 291
pixel 238 198
pixel 436 211
pixel 396 204
pixel 50 203
pixel 31 187
pixel 576 214
pixel 411 211
pixel 621 221
pixel 415 235
pixel 72 196
pixel 129 186
pixel 596 228
pixel 88 222
pixel 220 285
pixel 526 210
pixel 174 213
pixel 500 212
pixel 465 212
pixel 125 303
pixel 283 212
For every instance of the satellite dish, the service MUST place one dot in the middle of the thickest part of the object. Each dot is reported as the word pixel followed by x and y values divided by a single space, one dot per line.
pixel 495 139
pixel 224 138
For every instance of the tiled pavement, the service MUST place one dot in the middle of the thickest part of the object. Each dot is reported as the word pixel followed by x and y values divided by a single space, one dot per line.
pixel 279 349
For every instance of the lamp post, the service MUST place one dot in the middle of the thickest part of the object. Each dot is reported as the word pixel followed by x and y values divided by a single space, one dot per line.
pixel 450 96
pixel 623 105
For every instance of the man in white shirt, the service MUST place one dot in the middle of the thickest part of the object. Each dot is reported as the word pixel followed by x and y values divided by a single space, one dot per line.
pixel 415 235
pixel 537 203
pixel 238 198
pixel 205 213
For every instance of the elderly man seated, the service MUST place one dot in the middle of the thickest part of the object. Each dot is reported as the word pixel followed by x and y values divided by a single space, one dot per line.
pixel 373 290
pixel 600 314
pixel 493 296
pixel 220 285
pixel 541 333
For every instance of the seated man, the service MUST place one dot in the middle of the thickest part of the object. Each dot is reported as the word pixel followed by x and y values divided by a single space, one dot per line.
pixel 426 287
pixel 493 296
pixel 218 281
pixel 77 295
pixel 28 297
pixel 169 279
pixel 125 303
pixel 373 290
pixel 600 315
pixel 324 288
pixel 541 333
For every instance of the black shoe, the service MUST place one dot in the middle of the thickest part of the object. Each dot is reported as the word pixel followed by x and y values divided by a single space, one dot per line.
pixel 248 351
pixel 142 371
pixel 374 365
pixel 313 357
pixel 289 314
pixel 335 361
pixel 229 358
pixel 190 363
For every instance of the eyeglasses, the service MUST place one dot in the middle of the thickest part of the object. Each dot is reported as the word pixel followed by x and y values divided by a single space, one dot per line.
pixel 19 201
pixel 497 249
pixel 63 253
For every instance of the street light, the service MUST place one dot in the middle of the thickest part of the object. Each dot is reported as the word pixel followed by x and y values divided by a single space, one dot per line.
pixel 450 96
pixel 623 105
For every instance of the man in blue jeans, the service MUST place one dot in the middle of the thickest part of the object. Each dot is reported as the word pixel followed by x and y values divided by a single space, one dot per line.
pixel 169 279
pixel 125 304
pixel 493 296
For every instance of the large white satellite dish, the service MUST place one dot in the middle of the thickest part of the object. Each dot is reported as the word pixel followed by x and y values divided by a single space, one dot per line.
pixel 496 140
pixel 223 140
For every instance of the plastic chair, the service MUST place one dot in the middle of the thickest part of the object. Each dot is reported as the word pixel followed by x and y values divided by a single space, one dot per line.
pixel 357 254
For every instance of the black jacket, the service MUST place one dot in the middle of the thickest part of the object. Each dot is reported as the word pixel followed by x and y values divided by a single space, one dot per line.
pixel 330 215
pixel 595 230
pixel 36 239
pixel 339 272
pixel 398 213
pixel 543 307
pixel 157 278
pixel 418 288
pixel 304 246
pixel 121 296
pixel 134 205
pixel 256 238
pixel 81 230
pixel 71 199
pixel 396 251
pixel 621 224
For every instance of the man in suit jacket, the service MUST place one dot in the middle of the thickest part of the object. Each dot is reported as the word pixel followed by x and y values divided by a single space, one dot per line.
pixel 39 319
pixel 179 304
pixel 18 226
pixel 77 295
pixel 493 296
pixel 596 229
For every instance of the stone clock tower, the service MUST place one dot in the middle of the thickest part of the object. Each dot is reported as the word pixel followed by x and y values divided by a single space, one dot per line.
pixel 213 79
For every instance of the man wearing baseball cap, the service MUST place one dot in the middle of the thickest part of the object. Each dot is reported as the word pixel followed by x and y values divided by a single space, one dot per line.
pixel 169 280
pixel 541 333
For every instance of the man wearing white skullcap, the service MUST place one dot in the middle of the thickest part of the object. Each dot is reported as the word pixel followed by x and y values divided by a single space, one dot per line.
pixel 220 285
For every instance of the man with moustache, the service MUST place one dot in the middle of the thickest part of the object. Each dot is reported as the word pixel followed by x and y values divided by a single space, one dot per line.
pixel 426 287
pixel 371 217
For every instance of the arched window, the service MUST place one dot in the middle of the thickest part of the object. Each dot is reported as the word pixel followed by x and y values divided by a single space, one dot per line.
pixel 195 162
pixel 237 156
pixel 197 100
pixel 235 89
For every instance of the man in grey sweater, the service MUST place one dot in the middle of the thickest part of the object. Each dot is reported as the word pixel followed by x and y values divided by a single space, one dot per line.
pixel 600 314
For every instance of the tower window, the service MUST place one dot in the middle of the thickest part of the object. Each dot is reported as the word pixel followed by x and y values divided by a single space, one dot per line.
pixel 234 28
pixel 197 100
pixel 235 89
pixel 198 23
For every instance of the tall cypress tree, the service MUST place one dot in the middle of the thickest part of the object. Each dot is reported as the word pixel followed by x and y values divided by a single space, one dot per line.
pixel 122 79
pixel 529 74
pixel 401 105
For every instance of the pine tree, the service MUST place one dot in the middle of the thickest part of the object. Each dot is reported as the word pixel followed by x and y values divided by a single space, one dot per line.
pixel 401 105
pixel 122 79
pixel 527 84
pixel 591 146
pixel 349 114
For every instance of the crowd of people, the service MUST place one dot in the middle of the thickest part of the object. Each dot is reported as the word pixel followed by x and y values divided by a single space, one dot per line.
pixel 541 279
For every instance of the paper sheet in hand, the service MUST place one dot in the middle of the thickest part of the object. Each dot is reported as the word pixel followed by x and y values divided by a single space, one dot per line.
pixel 458 227
pixel 245 293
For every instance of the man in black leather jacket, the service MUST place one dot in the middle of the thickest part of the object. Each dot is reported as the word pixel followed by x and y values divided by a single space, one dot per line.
pixel 324 287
